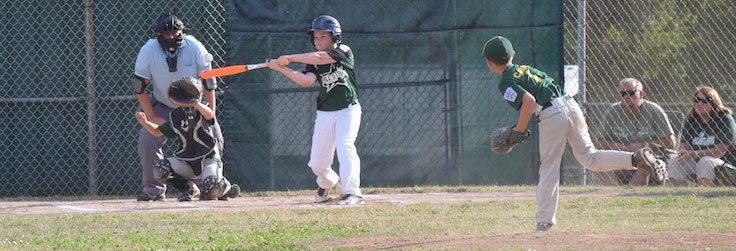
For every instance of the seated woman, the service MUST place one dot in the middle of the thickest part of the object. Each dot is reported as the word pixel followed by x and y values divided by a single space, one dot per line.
pixel 707 135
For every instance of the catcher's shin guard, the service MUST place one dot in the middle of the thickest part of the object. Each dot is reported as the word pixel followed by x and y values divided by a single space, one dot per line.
pixel 214 188
pixel 162 171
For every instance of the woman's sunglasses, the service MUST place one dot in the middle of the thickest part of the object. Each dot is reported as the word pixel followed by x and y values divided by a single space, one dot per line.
pixel 703 100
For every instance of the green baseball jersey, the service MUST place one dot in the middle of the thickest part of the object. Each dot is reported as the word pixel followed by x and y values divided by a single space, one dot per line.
pixel 519 79
pixel 650 124
pixel 337 80
pixel 719 130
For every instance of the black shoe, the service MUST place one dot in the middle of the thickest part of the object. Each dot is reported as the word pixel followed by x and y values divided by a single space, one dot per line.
pixel 191 193
pixel 145 196
pixel 233 193
pixel 206 196
pixel 543 226
pixel 322 195
pixel 350 199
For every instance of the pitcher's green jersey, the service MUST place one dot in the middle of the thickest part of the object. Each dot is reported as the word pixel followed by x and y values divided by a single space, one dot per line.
pixel 519 79
pixel 337 80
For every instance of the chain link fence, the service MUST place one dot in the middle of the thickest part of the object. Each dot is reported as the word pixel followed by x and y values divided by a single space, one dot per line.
pixel 67 124
pixel 672 47
pixel 428 100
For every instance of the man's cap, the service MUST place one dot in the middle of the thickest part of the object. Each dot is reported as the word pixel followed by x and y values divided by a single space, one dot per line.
pixel 184 91
pixel 498 49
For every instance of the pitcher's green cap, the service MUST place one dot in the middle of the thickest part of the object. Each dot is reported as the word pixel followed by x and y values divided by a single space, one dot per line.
pixel 498 49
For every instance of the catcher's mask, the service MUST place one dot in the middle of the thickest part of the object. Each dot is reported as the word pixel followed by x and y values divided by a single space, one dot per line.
pixel 168 23
pixel 326 23
pixel 185 91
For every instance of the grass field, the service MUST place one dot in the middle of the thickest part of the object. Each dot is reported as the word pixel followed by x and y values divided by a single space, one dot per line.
pixel 650 209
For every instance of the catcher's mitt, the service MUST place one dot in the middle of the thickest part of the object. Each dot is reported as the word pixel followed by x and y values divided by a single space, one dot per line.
pixel 504 139
pixel 185 91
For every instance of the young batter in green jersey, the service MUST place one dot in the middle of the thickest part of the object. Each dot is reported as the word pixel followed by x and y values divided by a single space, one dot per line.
pixel 531 91
pixel 338 111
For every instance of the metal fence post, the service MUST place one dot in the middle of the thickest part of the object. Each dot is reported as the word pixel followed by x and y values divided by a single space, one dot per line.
pixel 91 99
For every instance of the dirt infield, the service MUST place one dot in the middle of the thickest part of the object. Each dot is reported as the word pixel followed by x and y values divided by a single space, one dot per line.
pixel 248 203
pixel 556 239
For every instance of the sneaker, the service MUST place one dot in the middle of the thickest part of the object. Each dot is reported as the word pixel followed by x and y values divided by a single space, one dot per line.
pixel 145 196
pixel 543 226
pixel 644 158
pixel 350 199
pixel 207 196
pixel 322 195
pixel 188 195
pixel 233 193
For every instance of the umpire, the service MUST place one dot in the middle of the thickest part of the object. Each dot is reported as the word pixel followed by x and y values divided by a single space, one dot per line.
pixel 171 55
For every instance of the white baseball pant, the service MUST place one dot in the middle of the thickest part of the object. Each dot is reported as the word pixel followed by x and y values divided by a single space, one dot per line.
pixel 561 123
pixel 337 130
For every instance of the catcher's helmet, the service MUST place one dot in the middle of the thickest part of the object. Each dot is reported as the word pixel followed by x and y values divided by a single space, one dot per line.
pixel 168 22
pixel 329 24
pixel 185 91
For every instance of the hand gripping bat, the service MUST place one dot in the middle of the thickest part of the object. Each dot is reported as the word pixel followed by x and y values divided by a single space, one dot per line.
pixel 232 70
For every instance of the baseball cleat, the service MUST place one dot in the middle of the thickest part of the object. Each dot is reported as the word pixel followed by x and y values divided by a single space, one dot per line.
pixel 233 193
pixel 188 195
pixel 350 199
pixel 543 226
pixel 206 196
pixel 322 195
pixel 145 196
pixel 644 158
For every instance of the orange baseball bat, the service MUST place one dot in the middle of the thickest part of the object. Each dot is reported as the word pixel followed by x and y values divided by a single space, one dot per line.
pixel 232 70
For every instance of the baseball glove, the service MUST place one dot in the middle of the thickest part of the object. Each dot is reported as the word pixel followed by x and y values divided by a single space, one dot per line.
pixel 504 139
pixel 185 91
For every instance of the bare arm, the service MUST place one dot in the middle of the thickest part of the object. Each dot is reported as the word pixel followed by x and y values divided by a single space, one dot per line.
pixel 527 108
pixel 150 126
pixel 315 58
pixel 147 107
pixel 303 79
pixel 209 96
pixel 206 111
pixel 716 151
pixel 668 142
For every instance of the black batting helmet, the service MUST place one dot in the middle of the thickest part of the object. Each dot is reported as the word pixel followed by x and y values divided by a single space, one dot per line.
pixel 168 22
pixel 329 24
pixel 185 91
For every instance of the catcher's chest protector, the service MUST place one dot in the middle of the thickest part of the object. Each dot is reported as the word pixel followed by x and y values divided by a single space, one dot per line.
pixel 196 139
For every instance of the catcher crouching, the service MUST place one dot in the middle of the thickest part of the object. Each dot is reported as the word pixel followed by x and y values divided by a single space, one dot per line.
pixel 197 156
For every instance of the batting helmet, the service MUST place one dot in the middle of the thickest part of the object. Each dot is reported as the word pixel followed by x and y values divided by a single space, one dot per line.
pixel 329 24
pixel 185 91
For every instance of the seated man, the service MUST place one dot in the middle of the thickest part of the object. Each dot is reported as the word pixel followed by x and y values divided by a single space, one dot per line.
pixel 630 125
pixel 197 156
pixel 708 133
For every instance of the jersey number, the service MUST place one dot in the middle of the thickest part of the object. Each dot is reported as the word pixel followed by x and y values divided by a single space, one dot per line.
pixel 524 69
